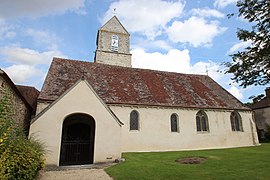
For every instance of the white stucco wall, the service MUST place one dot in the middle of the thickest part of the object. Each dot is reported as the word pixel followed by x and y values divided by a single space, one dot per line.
pixel 41 105
pixel 155 133
pixel 80 99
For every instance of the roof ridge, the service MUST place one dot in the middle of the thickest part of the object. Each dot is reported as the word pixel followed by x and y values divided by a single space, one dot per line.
pixel 26 86
pixel 121 67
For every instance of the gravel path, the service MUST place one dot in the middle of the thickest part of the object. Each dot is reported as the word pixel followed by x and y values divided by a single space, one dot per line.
pixel 75 174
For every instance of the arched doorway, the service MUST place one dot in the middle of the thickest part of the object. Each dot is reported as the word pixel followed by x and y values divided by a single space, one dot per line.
pixel 78 138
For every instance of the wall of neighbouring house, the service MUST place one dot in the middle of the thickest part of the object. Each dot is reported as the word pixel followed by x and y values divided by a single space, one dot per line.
pixel 47 127
pixel 262 117
pixel 21 113
pixel 155 133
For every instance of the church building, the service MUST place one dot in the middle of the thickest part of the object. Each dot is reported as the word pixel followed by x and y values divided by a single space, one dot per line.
pixel 92 112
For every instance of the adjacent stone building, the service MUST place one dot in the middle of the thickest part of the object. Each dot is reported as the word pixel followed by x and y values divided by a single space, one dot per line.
pixel 23 100
pixel 262 114
pixel 92 112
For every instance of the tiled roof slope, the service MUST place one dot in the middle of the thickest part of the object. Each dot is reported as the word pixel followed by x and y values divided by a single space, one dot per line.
pixel 264 103
pixel 30 94
pixel 122 85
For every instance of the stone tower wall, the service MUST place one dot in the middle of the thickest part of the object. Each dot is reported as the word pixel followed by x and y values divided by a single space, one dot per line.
pixel 104 42
pixel 104 53
pixel 112 58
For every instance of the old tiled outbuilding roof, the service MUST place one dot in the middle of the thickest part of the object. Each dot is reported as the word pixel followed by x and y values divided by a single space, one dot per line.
pixel 264 103
pixel 122 85
pixel 30 94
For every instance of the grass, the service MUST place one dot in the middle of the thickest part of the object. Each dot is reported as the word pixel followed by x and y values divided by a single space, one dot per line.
pixel 237 163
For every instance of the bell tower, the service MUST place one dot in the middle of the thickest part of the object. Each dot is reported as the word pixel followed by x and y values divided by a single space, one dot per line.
pixel 113 44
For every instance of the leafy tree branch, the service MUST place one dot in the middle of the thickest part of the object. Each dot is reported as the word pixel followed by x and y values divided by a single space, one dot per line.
pixel 252 65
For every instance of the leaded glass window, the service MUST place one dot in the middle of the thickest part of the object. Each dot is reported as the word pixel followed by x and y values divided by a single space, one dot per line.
pixel 236 122
pixel 134 120
pixel 202 122
pixel 174 123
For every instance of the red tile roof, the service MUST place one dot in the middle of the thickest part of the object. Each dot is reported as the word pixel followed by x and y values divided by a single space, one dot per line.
pixel 30 94
pixel 122 85
pixel 264 103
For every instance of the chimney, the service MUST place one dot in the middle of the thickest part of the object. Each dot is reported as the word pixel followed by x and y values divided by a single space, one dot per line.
pixel 267 92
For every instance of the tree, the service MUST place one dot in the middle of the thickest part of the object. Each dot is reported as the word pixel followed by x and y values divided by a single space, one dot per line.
pixel 252 65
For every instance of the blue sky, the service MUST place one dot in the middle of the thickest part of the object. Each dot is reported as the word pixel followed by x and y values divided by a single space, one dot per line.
pixel 192 36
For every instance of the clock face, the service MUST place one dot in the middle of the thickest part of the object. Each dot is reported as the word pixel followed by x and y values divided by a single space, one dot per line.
pixel 114 45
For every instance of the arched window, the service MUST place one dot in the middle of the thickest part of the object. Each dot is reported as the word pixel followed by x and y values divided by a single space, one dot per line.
pixel 202 122
pixel 174 123
pixel 134 120
pixel 236 121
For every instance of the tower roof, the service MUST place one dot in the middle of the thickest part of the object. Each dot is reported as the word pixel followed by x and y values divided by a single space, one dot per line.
pixel 114 25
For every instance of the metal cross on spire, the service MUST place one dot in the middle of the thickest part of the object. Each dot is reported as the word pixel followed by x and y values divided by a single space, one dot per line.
pixel 114 11
pixel 206 71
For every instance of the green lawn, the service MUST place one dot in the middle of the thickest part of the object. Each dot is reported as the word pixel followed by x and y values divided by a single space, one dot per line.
pixel 238 163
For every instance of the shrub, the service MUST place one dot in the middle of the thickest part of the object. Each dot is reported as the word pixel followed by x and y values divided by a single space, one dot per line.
pixel 6 123
pixel 20 158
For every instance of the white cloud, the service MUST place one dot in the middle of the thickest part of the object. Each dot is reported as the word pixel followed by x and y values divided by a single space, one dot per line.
pixel 27 56
pixel 239 46
pixel 22 73
pixel 195 31
pixel 28 65
pixel 223 3
pixel 155 44
pixel 236 92
pixel 174 61
pixel 210 68
pixel 43 38
pixel 38 8
pixel 6 31
pixel 148 17
pixel 10 34
pixel 207 12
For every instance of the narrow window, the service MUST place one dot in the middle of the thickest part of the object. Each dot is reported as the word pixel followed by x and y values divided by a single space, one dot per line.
pixel 202 122
pixel 114 45
pixel 198 123
pixel 174 123
pixel 134 120
pixel 236 121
